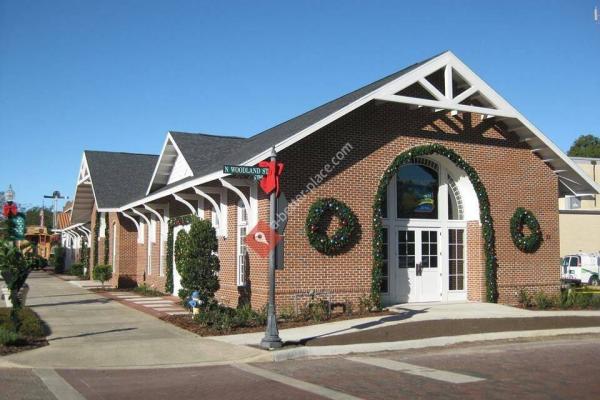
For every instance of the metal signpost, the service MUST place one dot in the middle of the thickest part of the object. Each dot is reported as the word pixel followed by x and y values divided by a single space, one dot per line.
pixel 271 339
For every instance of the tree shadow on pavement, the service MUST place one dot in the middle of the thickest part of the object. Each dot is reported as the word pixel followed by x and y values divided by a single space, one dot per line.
pixel 91 334
pixel 408 313
pixel 65 303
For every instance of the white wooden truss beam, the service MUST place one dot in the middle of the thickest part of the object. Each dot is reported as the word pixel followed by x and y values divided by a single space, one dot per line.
pixel 252 212
pixel 140 234
pixel 186 203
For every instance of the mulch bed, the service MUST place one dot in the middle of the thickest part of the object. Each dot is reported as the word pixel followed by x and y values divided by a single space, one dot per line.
pixel 186 322
pixel 27 345
pixel 452 327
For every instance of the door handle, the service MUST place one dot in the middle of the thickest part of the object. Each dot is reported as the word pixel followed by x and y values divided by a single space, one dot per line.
pixel 419 269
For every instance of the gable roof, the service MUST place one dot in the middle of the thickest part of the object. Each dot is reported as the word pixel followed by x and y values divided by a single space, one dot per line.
pixel 194 146
pixel 118 178
pixel 487 103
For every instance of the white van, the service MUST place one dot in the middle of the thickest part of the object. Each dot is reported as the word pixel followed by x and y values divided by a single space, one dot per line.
pixel 581 268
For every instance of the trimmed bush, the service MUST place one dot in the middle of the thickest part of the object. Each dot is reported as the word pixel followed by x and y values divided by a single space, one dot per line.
pixel 102 273
pixel 8 338
pixel 76 269
pixel 30 324
pixel 196 260
pixel 57 259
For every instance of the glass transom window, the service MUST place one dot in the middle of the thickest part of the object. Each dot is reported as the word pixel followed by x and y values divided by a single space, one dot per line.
pixel 417 192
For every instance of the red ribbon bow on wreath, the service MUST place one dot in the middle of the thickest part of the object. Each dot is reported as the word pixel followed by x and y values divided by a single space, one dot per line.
pixel 270 181
pixel 9 210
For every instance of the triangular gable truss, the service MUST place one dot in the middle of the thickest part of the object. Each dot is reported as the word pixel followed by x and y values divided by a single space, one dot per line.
pixel 455 87
pixel 84 171
pixel 170 157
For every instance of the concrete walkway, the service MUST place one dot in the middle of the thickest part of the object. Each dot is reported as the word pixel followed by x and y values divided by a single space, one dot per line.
pixel 90 331
pixel 405 313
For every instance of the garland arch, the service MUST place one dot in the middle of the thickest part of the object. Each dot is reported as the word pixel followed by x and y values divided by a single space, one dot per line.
pixel 484 214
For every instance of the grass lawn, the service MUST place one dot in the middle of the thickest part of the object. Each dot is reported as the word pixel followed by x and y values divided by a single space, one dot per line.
pixel 32 333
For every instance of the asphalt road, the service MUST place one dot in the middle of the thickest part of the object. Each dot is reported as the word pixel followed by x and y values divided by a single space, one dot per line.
pixel 557 368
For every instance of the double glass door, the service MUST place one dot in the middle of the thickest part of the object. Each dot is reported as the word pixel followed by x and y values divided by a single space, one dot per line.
pixel 418 265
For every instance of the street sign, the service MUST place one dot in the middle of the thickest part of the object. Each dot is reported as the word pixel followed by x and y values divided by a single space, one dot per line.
pixel 244 170
pixel 256 172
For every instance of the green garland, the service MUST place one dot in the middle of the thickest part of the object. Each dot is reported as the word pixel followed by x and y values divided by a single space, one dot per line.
pixel 173 222
pixel 531 242
pixel 95 239
pixel 484 210
pixel 106 241
pixel 343 236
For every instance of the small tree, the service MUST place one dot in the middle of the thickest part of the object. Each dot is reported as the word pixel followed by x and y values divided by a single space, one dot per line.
pixel 196 260
pixel 585 146
pixel 14 268
pixel 102 273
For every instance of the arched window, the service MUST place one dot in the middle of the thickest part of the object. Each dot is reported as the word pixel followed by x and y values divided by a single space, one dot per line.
pixel 417 192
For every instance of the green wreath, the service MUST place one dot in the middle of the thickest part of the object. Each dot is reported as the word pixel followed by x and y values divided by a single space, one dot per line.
pixel 526 243
pixel 316 232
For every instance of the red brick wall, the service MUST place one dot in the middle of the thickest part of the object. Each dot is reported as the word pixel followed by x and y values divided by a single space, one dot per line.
pixel 155 278
pixel 513 175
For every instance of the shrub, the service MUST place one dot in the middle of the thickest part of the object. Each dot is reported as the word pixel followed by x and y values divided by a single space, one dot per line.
pixel 30 325
pixel 14 268
pixel 196 260
pixel 102 273
pixel 224 319
pixel 287 313
pixel 365 304
pixel 76 269
pixel 8 338
pixel 524 298
pixel 146 290
pixel 57 259
pixel 543 301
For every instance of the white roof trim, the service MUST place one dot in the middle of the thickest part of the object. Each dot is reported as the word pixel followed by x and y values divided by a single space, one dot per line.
pixel 168 139
pixel 502 109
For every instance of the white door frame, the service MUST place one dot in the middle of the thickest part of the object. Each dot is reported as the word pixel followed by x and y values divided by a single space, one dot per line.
pixel 442 224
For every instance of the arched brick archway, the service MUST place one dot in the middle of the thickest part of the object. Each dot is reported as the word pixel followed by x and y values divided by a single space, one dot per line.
pixel 484 211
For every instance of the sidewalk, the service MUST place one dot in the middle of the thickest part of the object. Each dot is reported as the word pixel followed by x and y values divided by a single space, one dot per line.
pixel 406 313
pixel 91 331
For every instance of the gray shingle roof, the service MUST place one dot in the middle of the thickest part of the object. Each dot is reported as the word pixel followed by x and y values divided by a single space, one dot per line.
pixel 235 150
pixel 200 149
pixel 119 178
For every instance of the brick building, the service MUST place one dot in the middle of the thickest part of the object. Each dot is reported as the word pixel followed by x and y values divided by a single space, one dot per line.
pixel 432 162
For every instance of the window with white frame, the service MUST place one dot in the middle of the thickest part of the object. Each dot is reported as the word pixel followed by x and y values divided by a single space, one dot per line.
pixel 102 229
pixel 242 249
pixel 152 231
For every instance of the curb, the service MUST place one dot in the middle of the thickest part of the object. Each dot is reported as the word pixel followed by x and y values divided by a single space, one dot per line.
pixel 321 351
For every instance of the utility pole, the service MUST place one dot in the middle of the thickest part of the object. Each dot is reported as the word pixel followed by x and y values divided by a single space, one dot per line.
pixel 55 197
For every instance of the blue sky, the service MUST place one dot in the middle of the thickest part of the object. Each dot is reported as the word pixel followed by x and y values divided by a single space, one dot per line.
pixel 117 75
